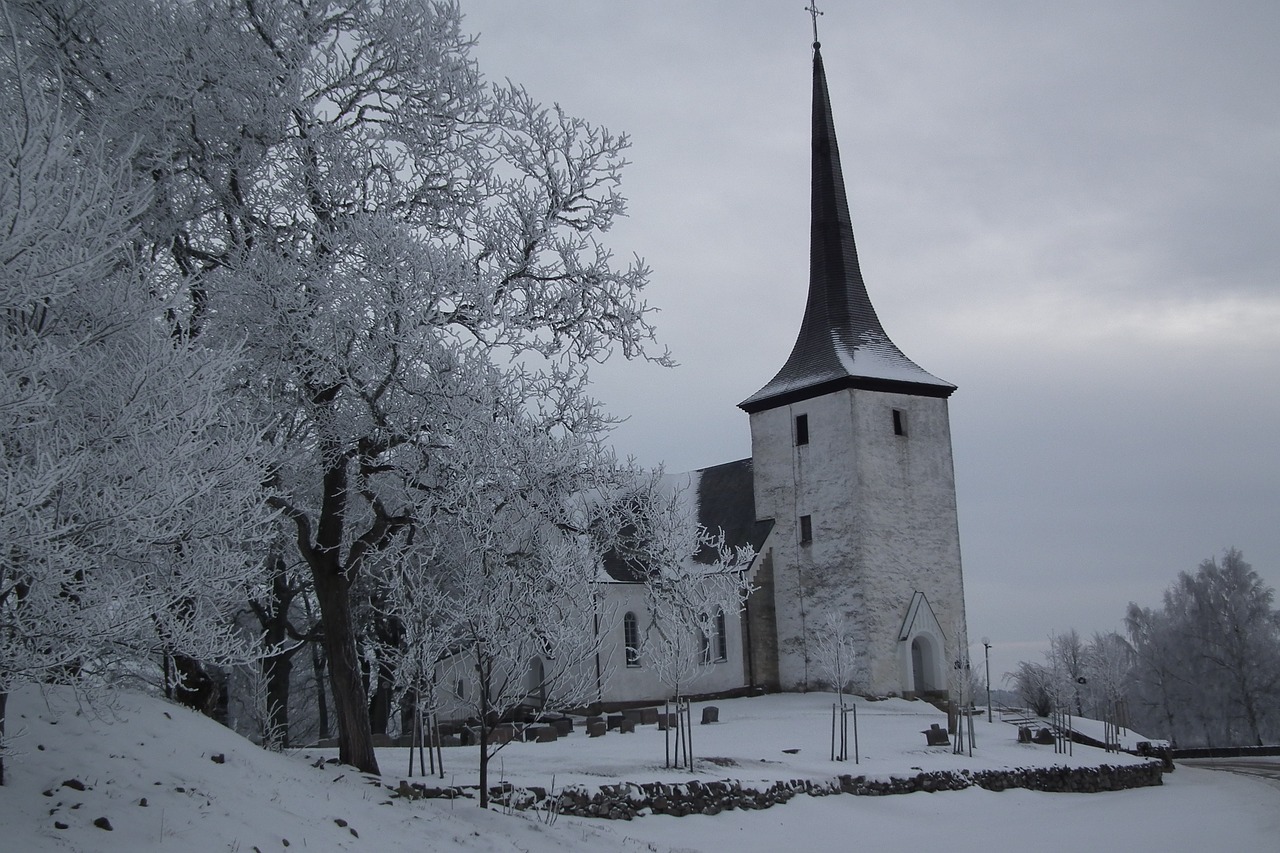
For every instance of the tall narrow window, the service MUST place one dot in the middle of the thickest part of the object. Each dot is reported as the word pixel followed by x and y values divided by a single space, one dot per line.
pixel 722 643
pixel 802 429
pixel 631 639
pixel 715 646
pixel 806 529
pixel 899 422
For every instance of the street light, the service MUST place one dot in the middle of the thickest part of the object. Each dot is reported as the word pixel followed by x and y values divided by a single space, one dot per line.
pixel 986 648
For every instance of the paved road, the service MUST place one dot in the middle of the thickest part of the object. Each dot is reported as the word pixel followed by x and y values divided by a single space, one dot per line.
pixel 1267 767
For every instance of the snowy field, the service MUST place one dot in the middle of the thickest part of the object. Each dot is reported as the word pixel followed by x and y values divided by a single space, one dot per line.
pixel 151 770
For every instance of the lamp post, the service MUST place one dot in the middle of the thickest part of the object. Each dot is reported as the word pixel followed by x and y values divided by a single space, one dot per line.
pixel 986 648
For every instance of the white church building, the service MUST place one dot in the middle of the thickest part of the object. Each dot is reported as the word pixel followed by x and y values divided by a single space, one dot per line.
pixel 848 501
pixel 848 497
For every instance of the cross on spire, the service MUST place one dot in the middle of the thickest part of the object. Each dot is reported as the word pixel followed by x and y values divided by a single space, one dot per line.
pixel 813 11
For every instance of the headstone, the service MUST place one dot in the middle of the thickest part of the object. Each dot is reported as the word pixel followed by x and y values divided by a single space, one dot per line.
pixel 546 734
pixel 710 714
pixel 596 728
pixel 648 716
pixel 935 735
pixel 626 726
pixel 615 720
pixel 563 726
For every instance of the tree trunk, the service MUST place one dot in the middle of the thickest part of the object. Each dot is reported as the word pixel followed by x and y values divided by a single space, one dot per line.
pixel 387 632
pixel 4 700
pixel 322 702
pixel 199 688
pixel 484 734
pixel 277 671
pixel 355 741
pixel 317 669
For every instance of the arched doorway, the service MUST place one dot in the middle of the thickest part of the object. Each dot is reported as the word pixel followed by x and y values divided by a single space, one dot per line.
pixel 924 666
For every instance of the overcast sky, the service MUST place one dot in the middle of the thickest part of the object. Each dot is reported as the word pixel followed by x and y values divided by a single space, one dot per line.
pixel 1069 210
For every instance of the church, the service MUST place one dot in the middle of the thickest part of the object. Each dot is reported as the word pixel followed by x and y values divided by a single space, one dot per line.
pixel 848 498
pixel 847 502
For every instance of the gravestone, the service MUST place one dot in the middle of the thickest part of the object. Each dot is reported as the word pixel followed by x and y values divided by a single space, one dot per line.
pixel 935 735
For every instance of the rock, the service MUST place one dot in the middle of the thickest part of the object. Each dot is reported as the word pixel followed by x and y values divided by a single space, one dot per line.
pixel 103 823
pixel 218 758
pixel 74 784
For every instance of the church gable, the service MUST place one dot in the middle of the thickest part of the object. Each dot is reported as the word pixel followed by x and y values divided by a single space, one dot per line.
pixel 725 500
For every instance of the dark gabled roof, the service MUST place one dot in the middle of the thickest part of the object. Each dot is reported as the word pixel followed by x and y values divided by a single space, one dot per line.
pixel 726 501
pixel 841 342
pixel 723 498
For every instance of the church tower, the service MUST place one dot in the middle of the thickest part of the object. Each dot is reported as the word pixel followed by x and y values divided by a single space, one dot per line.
pixel 851 455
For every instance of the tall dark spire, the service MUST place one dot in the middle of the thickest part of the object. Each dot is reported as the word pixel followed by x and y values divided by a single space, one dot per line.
pixel 841 342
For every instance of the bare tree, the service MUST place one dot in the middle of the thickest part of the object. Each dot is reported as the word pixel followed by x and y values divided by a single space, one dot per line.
pixel 835 650
pixel 1032 682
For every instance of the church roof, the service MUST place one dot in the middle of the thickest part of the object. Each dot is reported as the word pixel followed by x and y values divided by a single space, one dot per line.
pixel 721 497
pixel 841 342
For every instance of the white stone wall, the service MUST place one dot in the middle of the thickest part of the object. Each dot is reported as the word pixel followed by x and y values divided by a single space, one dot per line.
pixel 884 525
pixel 629 684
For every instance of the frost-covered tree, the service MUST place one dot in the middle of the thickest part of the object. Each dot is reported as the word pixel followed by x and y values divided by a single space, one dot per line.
pixel 834 650
pixel 1162 694
pixel 336 186
pixel 1108 664
pixel 1032 682
pixel 1211 655
pixel 513 566
pixel 1066 663
pixel 131 508
pixel 694 582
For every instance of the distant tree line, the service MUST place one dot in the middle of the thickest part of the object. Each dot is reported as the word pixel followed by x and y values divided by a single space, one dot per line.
pixel 1203 669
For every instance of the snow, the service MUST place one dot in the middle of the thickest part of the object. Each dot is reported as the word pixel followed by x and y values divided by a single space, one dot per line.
pixel 144 747
pixel 876 357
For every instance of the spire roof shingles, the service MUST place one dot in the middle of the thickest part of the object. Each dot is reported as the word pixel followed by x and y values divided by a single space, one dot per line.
pixel 841 342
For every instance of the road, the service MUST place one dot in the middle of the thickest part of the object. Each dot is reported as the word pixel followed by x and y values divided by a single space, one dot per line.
pixel 1266 767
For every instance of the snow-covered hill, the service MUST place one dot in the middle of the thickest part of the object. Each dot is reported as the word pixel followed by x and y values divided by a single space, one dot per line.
pixel 165 778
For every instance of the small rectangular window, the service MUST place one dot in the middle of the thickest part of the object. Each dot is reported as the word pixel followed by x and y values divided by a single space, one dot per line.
pixel 899 422
pixel 802 429
pixel 806 529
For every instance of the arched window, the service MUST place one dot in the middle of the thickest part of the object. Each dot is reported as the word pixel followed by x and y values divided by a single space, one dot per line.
pixel 631 638
pixel 715 647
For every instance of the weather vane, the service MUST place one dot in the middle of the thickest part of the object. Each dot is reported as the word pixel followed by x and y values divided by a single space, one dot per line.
pixel 812 9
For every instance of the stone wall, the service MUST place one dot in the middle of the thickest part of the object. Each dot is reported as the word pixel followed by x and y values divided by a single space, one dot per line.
pixel 627 800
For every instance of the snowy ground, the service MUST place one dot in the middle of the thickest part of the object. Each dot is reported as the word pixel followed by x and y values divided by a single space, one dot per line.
pixel 257 800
